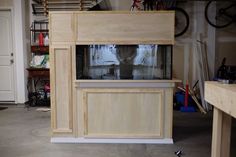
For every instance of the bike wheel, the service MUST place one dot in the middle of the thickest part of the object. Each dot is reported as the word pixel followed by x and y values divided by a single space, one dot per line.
pixel 222 17
pixel 181 21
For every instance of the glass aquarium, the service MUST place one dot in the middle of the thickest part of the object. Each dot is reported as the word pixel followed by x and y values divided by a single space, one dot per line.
pixel 117 62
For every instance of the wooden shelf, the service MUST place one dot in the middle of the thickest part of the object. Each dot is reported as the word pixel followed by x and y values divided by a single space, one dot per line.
pixel 38 72
pixel 40 49
pixel 39 30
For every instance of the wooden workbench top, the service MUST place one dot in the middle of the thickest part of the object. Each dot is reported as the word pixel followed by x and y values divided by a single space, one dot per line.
pixel 222 96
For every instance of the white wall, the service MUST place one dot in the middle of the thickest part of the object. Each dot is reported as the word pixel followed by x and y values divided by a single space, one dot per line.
pixel 17 8
pixel 20 50
pixel 6 3
pixel 120 4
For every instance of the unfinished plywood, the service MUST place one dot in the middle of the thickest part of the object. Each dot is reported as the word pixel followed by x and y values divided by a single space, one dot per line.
pixel 61 82
pixel 168 113
pixel 221 134
pixel 123 113
pixel 222 96
pixel 108 109
pixel 62 27
pixel 125 28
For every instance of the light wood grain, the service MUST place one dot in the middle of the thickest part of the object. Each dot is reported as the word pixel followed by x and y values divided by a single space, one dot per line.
pixel 222 96
pixel 132 112
pixel 125 28
pixel 226 135
pixel 221 134
pixel 74 94
pixel 110 27
pixel 62 27
pixel 123 112
pixel 128 81
pixel 61 82
pixel 168 113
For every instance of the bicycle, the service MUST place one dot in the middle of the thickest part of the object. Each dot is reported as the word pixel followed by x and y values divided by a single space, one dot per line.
pixel 225 13
pixel 181 16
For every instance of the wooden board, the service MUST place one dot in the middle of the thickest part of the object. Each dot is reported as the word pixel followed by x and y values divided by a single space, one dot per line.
pixel 61 89
pixel 222 96
pixel 117 113
pixel 125 28
pixel 221 134
pixel 61 27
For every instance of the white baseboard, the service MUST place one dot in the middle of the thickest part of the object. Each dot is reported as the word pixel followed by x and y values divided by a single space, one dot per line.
pixel 129 141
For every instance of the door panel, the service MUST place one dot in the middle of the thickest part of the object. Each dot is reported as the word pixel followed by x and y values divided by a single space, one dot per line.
pixel 6 58
pixel 5 76
pixel 123 113
pixel 61 96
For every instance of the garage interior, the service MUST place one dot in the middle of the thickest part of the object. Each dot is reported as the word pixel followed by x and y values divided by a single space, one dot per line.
pixel 202 52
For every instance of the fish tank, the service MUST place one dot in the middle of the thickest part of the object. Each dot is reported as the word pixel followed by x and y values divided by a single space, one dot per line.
pixel 118 62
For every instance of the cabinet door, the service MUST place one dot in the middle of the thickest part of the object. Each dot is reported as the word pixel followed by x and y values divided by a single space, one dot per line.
pixel 123 113
pixel 61 89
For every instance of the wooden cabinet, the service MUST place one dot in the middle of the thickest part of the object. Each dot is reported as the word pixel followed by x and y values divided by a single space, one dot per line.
pixel 108 111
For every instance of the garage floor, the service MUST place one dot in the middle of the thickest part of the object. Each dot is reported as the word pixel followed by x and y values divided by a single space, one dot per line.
pixel 26 134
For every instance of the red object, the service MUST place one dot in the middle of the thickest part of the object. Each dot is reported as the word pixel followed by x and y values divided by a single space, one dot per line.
pixel 186 95
pixel 41 39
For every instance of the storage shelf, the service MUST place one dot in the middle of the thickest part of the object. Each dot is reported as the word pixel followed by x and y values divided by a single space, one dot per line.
pixel 40 49
pixel 39 30
pixel 38 72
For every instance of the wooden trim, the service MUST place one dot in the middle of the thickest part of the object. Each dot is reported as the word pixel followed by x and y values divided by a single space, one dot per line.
pixel 161 120
pixel 169 108
pixel 131 42
pixel 74 95
pixel 62 131
pixel 129 81
pixel 151 136
pixel 80 113
pixel 52 90
pixel 70 90
pixel 106 140
pixel 85 107
pixel 111 12
pixel 75 26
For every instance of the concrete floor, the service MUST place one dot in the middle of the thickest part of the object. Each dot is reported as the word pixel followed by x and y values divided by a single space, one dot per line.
pixel 26 134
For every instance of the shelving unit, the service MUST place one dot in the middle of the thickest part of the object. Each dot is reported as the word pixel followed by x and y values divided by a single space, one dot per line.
pixel 38 73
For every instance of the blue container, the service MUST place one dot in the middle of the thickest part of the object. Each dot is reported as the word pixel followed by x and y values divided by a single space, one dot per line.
pixel 180 99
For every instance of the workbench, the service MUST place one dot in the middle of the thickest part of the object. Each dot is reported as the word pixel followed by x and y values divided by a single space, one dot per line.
pixel 223 98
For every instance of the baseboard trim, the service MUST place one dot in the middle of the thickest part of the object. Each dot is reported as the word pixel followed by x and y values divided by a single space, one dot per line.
pixel 125 141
